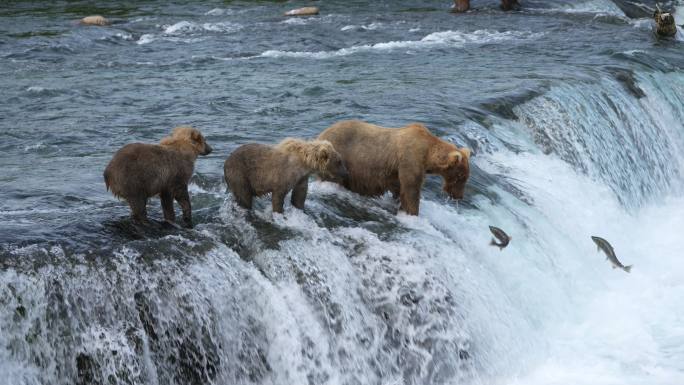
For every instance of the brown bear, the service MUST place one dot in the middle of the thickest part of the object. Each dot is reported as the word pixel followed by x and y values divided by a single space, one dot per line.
pixel 381 159
pixel 139 171
pixel 257 169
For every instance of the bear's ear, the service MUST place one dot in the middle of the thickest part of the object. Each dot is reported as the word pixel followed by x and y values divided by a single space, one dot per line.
pixel 195 136
pixel 323 155
pixel 455 157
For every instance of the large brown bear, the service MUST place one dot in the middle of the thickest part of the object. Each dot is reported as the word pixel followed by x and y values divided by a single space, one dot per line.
pixel 257 169
pixel 381 159
pixel 139 171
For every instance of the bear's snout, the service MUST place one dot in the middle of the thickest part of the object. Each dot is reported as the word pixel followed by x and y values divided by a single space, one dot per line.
pixel 207 149
pixel 455 190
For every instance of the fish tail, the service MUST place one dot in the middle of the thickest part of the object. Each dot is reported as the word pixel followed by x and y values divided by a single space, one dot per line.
pixel 628 268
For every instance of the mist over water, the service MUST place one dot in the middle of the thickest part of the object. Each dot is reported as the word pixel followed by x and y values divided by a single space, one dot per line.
pixel 574 111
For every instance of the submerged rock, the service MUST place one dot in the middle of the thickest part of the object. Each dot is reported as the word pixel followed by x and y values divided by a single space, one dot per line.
pixel 95 20
pixel 627 79
pixel 508 5
pixel 464 5
pixel 306 11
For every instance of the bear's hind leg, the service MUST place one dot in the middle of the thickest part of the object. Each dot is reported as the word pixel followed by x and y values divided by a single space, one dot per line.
pixel 138 209
pixel 299 193
pixel 183 198
pixel 278 201
pixel 167 206
pixel 242 195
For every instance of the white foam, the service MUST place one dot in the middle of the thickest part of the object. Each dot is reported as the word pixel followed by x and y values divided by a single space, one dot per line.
pixel 216 12
pixel 222 27
pixel 296 21
pixel 369 27
pixel 187 27
pixel 124 36
pixel 36 89
pixel 146 38
pixel 602 7
pixel 37 146
pixel 446 38
pixel 181 27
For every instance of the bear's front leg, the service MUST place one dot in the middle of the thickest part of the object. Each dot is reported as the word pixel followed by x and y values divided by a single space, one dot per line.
pixel 299 193
pixel 183 199
pixel 278 201
pixel 411 181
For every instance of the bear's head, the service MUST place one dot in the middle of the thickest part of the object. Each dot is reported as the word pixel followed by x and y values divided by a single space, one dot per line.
pixel 452 163
pixel 186 138
pixel 330 163
pixel 318 155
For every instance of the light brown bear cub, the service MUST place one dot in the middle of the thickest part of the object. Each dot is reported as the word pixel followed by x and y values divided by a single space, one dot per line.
pixel 139 171
pixel 257 169
pixel 383 159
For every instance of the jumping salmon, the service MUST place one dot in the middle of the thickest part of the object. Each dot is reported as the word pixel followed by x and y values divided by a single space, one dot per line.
pixel 501 235
pixel 602 244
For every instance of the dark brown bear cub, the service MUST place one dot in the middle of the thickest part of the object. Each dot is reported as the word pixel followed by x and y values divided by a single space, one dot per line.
pixel 139 171
pixel 257 169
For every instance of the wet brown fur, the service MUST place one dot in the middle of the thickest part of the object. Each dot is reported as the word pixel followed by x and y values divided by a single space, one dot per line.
pixel 380 159
pixel 257 169
pixel 139 171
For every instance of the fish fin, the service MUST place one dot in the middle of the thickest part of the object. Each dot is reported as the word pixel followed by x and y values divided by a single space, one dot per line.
pixel 614 267
pixel 493 242
pixel 628 268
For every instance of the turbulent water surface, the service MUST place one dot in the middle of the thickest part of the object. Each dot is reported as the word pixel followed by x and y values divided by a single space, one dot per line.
pixel 574 112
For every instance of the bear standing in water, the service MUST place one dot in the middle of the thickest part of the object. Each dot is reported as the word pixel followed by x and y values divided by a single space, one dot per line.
pixel 139 171
pixel 257 169
pixel 383 159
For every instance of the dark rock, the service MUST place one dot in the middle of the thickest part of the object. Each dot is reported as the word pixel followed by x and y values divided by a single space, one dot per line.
pixel 88 371
pixel 19 313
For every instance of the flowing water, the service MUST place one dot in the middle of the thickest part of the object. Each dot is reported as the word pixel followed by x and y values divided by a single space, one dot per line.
pixel 575 115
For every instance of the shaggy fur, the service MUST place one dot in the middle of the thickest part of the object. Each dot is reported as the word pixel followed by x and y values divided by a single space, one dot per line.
pixel 381 159
pixel 257 169
pixel 139 171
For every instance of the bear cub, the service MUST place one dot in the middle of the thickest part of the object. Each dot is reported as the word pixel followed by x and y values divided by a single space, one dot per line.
pixel 257 169
pixel 140 171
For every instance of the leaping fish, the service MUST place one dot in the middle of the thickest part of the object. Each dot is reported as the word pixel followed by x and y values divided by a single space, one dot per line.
pixel 602 244
pixel 501 235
